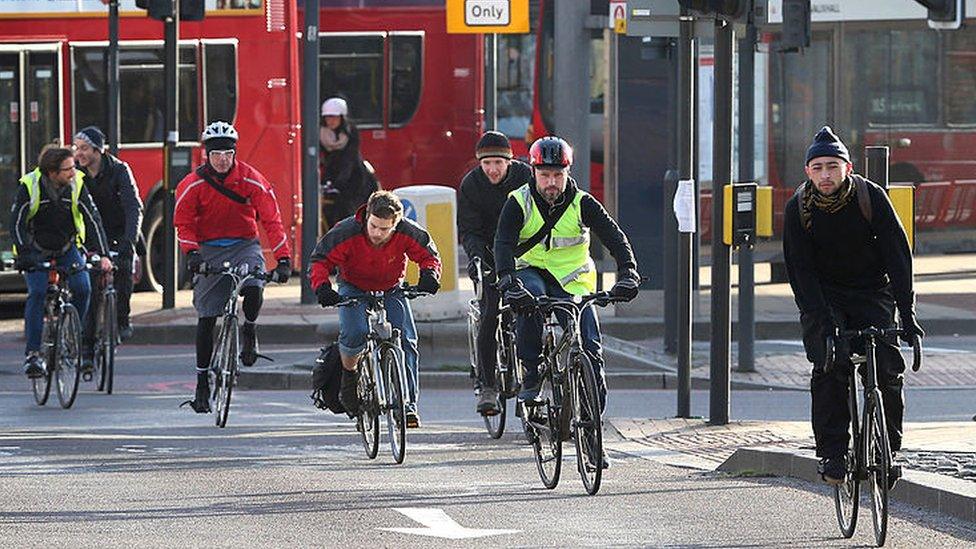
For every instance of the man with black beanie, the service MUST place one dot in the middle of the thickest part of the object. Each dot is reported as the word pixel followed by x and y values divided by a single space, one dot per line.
pixel 482 194
pixel 850 267
pixel 113 188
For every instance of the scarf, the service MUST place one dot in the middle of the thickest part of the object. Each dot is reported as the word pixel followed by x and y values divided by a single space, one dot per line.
pixel 333 140
pixel 813 198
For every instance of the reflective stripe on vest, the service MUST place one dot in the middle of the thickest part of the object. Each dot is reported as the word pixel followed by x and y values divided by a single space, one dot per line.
pixel 32 181
pixel 568 256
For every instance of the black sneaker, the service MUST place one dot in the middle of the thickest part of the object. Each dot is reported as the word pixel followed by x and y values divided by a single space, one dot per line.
pixel 201 401
pixel 488 402
pixel 249 344
pixel 34 366
pixel 833 470
pixel 125 332
pixel 348 396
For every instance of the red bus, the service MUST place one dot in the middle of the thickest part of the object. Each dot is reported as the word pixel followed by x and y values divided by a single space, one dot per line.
pixel 414 91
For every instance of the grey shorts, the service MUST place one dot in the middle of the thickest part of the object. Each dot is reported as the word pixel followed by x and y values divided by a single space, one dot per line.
pixel 210 293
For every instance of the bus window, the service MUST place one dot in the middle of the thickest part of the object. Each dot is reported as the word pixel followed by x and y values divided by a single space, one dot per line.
pixel 516 59
pixel 142 100
pixel 960 78
pixel 88 85
pixel 351 66
pixel 406 75
pixel 220 70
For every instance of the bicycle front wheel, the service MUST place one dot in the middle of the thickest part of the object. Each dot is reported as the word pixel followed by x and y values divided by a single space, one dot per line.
pixel 68 356
pixel 369 418
pixel 396 411
pixel 226 371
pixel 847 494
pixel 587 428
pixel 108 339
pixel 877 451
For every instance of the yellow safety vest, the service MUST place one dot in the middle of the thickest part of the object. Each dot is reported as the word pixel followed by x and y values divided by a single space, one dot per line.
pixel 568 258
pixel 32 181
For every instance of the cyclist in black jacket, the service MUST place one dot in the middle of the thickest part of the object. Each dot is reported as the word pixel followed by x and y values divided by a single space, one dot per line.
pixel 482 194
pixel 113 188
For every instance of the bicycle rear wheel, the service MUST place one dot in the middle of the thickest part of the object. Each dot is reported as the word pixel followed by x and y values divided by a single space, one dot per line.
pixel 369 419
pixel 108 339
pixel 396 410
pixel 847 494
pixel 68 369
pixel 226 372
pixel 587 428
pixel 877 451
pixel 41 386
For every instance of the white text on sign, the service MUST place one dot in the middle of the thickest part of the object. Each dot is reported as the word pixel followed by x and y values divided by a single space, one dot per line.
pixel 487 12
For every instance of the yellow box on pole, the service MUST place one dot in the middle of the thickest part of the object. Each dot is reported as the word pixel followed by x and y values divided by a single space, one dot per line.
pixel 727 215
pixel 764 211
pixel 903 199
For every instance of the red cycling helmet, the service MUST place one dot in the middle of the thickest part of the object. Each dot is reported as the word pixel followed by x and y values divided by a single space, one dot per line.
pixel 551 151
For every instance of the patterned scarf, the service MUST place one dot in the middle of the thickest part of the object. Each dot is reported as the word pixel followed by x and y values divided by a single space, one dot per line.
pixel 812 198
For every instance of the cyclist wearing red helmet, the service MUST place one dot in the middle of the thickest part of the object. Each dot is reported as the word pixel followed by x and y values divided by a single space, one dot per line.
pixel 542 248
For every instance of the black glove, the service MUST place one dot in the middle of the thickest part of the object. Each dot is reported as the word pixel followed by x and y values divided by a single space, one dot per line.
pixel 515 294
pixel 909 326
pixel 283 271
pixel 326 295
pixel 25 261
pixel 626 285
pixel 193 261
pixel 428 282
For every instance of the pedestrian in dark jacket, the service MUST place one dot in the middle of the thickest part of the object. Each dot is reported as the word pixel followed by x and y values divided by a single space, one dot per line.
pixel 346 181
pixel 848 270
pixel 481 195
pixel 113 188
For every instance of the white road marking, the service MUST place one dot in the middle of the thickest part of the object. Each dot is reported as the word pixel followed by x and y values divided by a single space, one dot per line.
pixel 439 525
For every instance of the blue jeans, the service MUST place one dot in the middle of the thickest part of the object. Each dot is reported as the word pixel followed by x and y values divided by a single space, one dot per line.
pixel 37 290
pixel 353 328
pixel 528 327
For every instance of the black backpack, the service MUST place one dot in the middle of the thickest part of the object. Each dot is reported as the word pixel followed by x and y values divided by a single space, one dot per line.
pixel 326 376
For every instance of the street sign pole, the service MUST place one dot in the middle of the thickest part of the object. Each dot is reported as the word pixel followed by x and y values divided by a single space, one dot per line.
pixel 747 274
pixel 171 36
pixel 686 146
pixel 112 79
pixel 310 142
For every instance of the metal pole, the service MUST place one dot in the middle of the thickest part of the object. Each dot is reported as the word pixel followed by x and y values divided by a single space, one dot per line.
pixel 721 324
pixel 171 37
pixel 491 81
pixel 876 164
pixel 686 147
pixel 747 275
pixel 571 117
pixel 113 77
pixel 310 141
pixel 669 258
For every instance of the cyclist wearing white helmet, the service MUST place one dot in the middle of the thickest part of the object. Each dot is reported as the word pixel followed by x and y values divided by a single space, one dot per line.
pixel 346 182
pixel 218 207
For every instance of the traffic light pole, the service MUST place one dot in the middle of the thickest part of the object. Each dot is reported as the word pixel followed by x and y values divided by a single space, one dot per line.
pixel 113 77
pixel 721 304
pixel 747 274
pixel 310 142
pixel 171 37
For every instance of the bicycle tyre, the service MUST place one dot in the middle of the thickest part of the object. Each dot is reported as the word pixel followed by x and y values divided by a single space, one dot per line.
pixel 846 495
pixel 369 419
pixel 495 425
pixel 227 372
pixel 587 427
pixel 878 451
pixel 41 386
pixel 396 407
pixel 106 343
pixel 547 445
pixel 68 370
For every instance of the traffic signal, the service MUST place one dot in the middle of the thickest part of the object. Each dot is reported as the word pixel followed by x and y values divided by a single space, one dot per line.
pixel 730 10
pixel 796 26
pixel 945 14
pixel 190 10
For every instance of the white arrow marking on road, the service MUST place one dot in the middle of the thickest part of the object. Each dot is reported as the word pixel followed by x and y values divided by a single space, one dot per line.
pixel 437 524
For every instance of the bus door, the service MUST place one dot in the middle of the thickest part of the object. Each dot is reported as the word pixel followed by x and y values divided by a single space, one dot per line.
pixel 30 115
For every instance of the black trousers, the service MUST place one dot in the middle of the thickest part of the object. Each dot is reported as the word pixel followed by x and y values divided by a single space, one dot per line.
pixel 487 345
pixel 830 415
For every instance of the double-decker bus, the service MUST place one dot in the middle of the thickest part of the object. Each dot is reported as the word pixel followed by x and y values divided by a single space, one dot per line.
pixel 879 75
pixel 414 91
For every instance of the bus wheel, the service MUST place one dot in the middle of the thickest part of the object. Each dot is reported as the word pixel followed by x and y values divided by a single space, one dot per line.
pixel 152 262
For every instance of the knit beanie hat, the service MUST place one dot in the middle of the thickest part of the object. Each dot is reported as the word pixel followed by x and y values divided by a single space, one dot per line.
pixel 827 144
pixel 493 144
pixel 93 136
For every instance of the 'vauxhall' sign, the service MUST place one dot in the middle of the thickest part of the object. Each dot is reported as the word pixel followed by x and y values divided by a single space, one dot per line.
pixel 487 16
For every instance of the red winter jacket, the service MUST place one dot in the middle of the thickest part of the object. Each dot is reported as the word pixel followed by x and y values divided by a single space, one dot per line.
pixel 203 213
pixel 365 266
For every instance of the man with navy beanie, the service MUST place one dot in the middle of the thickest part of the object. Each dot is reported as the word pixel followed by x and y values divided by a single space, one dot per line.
pixel 113 188
pixel 850 267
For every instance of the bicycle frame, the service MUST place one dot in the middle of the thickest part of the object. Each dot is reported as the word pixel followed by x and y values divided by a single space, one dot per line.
pixel 381 336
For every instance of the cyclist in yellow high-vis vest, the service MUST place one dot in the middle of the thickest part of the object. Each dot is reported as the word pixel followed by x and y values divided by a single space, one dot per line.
pixel 52 217
pixel 559 264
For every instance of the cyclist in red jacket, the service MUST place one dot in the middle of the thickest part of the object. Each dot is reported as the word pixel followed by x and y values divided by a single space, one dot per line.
pixel 370 251
pixel 218 207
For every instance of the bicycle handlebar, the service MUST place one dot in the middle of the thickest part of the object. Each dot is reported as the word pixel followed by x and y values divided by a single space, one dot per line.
pixel 240 271
pixel 601 299
pixel 872 332
pixel 409 292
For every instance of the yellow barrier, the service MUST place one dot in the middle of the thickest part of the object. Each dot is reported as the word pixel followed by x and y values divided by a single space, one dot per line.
pixel 903 199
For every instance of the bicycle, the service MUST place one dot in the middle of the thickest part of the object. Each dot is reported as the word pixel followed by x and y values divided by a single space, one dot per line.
pixel 60 338
pixel 869 450
pixel 566 373
pixel 225 361
pixel 507 373
pixel 382 376
pixel 106 326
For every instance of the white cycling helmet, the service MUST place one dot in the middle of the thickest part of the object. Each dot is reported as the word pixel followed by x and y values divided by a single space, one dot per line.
pixel 335 106
pixel 219 128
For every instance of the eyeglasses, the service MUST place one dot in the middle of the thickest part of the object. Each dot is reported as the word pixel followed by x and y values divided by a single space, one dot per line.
pixel 222 154
pixel 68 169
